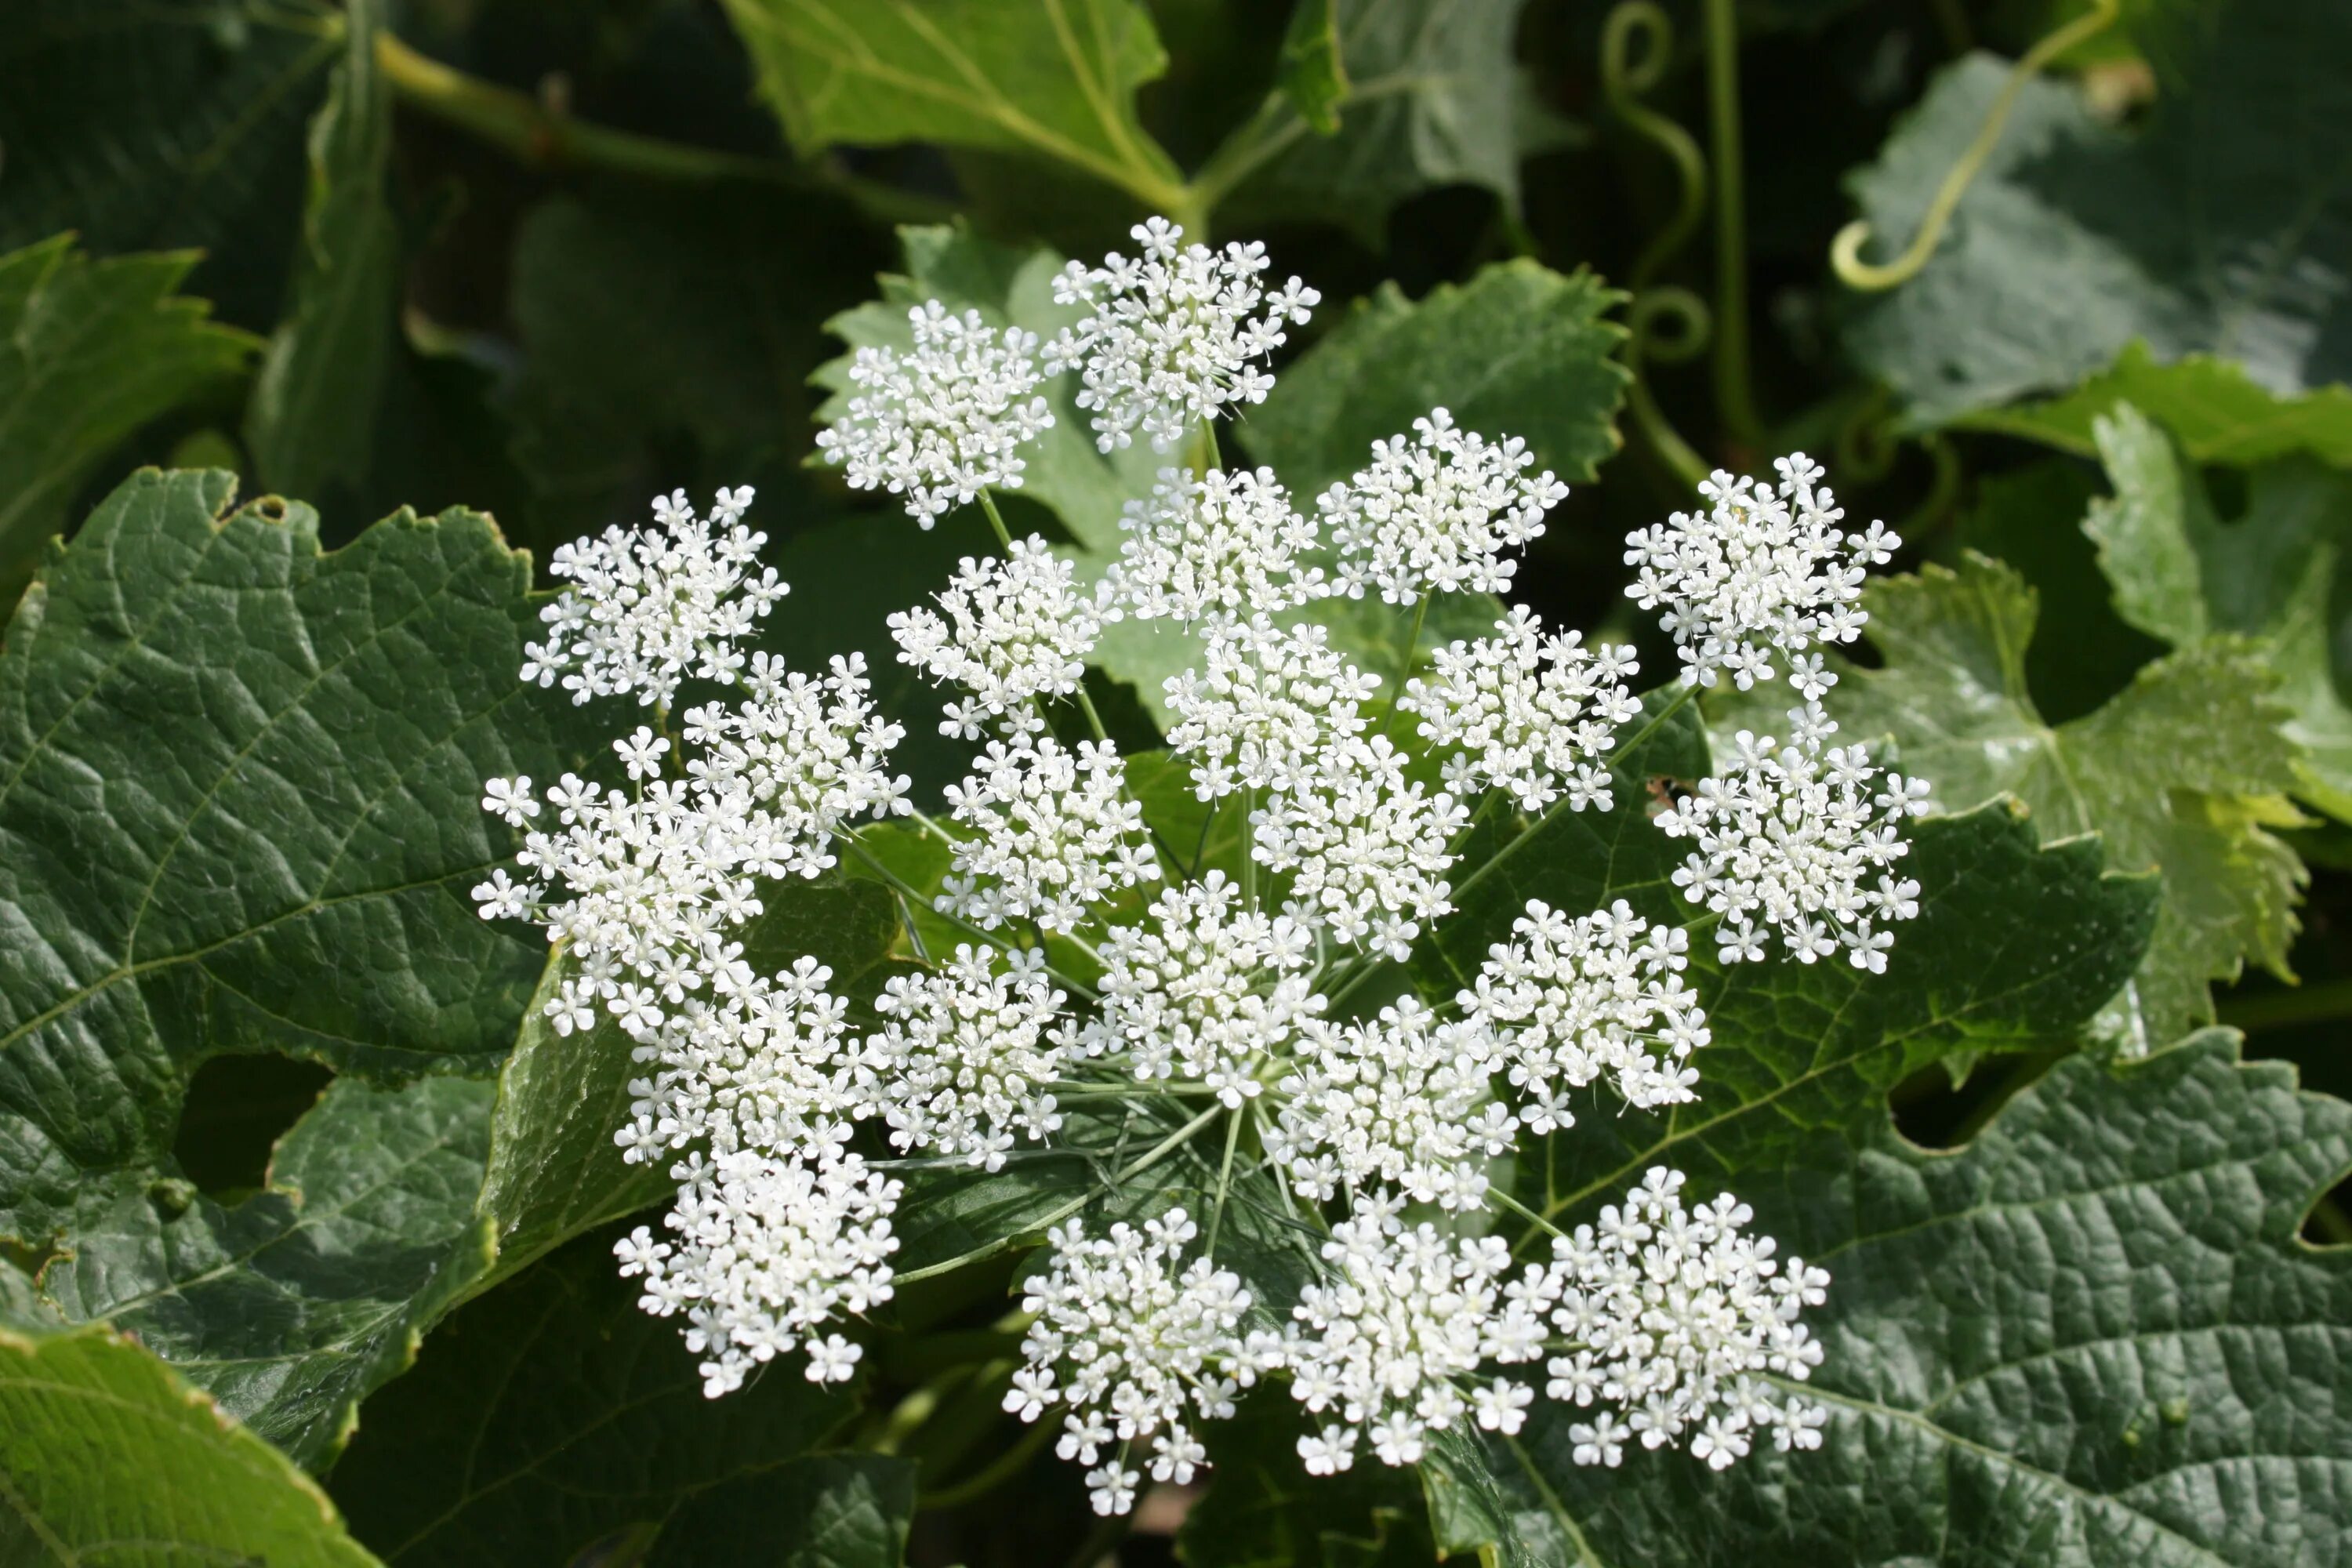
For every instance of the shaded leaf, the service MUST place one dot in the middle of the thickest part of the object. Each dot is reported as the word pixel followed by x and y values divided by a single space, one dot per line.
pixel 1055 80
pixel 90 351
pixel 239 787
pixel 2083 1339
pixel 553 1411
pixel 2179 570
pixel 2218 228
pixel 2184 772
pixel 107 1457
pixel 163 125
pixel 826 1510
pixel 310 422
pixel 1314 73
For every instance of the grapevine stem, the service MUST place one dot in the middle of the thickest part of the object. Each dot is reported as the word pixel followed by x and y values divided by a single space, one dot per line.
pixel 1845 251
pixel 1735 400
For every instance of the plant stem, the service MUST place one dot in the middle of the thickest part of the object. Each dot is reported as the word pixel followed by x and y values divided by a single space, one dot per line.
pixel 531 133
pixel 990 1476
pixel 1225 1180
pixel 1735 401
pixel 1094 721
pixel 915 894
pixel 996 519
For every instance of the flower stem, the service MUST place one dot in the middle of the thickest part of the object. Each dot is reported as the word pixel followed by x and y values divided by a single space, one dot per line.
pixel 996 519
pixel 1225 1180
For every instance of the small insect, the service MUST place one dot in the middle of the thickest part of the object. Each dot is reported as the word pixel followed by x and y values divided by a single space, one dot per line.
pixel 1664 790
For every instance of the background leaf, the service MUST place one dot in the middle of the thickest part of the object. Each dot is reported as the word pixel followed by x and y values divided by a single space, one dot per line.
pixel 107 1457
pixel 553 1412
pixel 824 1511
pixel 2219 227
pixel 2209 405
pixel 311 421
pixel 90 351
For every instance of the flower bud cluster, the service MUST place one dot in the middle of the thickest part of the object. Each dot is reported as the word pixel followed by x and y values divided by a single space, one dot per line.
pixel 946 419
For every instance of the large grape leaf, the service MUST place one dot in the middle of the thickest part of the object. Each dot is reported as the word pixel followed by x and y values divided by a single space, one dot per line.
pixel 850 1510
pixel 1426 93
pixel 1519 350
pixel 90 351
pixel 2220 228
pixel 552 1413
pixel 162 125
pixel 2181 572
pixel 312 417
pixel 2184 772
pixel 1055 80
pixel 239 787
pixel 108 1457
pixel 2090 1337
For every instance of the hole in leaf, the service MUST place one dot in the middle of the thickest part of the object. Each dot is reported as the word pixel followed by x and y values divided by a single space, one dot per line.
pixel 27 1257
pixel 235 1111
pixel 1934 1113
pixel 2329 1223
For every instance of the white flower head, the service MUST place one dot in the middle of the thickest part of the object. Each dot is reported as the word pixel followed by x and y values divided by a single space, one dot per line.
pixel 1760 571
pixel 1173 336
pixel 1530 714
pixel 1434 514
pixel 1678 1317
pixel 1266 703
pixel 1221 545
pixel 944 420
pixel 1799 840
pixel 1391 1352
pixel 1052 831
pixel 648 608
pixel 1009 629
pixel 1366 849
pixel 965 1053
pixel 1204 985
pixel 1139 1345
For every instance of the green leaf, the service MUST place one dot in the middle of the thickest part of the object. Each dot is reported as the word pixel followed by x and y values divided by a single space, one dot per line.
pixel 667 339
pixel 553 1411
pixel 1055 80
pixel 311 420
pixel 2080 1340
pixel 826 1511
pixel 107 1457
pixel 2215 411
pixel 239 787
pixel 1426 93
pixel 2218 228
pixel 1262 1510
pixel 1519 350
pixel 165 125
pixel 292 1305
pixel 1314 73
pixel 2183 771
pixel 90 351
pixel 555 1170
pixel 2179 570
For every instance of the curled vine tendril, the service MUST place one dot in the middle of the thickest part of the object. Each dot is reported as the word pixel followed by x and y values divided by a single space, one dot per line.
pixel 1845 251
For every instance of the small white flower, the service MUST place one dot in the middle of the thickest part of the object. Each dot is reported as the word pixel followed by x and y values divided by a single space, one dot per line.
pixel 511 800
pixel 1173 336
pixel 944 420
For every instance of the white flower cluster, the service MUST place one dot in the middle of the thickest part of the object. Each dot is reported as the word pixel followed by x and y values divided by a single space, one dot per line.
pixel 1411 1316
pixel 1205 984
pixel 1171 336
pixel 1525 712
pixel 1571 1001
pixel 1678 1318
pixel 1140 1344
pixel 1435 514
pixel 1786 840
pixel 1231 1004
pixel 1219 546
pixel 964 1055
pixel 1008 630
pixel 1052 832
pixel 945 420
pixel 651 606
pixel 1761 570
